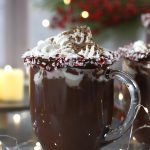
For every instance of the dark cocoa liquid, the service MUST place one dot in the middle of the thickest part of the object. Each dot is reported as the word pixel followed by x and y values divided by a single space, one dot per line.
pixel 148 35
pixel 142 77
pixel 69 117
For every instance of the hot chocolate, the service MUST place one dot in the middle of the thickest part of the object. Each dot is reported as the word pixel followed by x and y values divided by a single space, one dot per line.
pixel 71 100
pixel 137 63
pixel 70 110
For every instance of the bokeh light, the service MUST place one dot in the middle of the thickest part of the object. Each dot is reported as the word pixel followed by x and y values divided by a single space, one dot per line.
pixel 84 14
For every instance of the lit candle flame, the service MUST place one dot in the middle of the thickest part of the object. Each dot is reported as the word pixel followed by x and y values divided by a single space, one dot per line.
pixel 7 68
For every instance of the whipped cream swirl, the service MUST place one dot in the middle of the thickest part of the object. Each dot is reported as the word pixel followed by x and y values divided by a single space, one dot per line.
pixel 136 51
pixel 74 48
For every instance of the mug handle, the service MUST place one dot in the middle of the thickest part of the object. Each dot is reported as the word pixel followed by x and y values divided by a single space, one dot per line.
pixel 113 134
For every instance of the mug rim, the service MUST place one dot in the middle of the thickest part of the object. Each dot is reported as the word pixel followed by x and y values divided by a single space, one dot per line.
pixel 144 64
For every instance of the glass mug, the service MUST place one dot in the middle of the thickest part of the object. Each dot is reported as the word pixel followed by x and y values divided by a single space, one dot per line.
pixel 141 74
pixel 72 108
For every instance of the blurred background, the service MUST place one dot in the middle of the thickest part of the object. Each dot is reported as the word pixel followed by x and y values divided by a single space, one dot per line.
pixel 23 23
pixel 20 27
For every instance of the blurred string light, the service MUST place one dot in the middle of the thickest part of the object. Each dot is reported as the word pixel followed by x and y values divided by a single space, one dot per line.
pixel 67 2
pixel 16 118
pixel 120 96
pixel 85 14
pixel 38 146
pixel 45 23
pixel 134 139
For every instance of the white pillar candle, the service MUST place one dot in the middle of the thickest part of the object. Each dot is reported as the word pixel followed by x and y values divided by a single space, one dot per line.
pixel 11 84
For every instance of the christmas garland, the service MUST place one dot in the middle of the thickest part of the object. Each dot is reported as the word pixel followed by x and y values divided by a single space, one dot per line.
pixel 94 13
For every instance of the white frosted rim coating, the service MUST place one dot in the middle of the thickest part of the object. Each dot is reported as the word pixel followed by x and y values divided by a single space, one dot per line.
pixel 135 51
